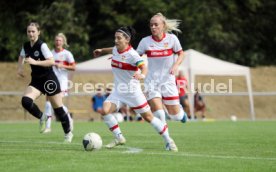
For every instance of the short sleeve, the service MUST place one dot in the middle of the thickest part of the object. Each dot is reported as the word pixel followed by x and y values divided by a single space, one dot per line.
pixel 141 47
pixel 114 50
pixel 70 58
pixel 46 51
pixel 137 60
pixel 22 52
pixel 176 44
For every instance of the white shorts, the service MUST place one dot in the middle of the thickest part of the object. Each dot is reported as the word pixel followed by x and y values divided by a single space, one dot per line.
pixel 136 101
pixel 166 90
pixel 64 87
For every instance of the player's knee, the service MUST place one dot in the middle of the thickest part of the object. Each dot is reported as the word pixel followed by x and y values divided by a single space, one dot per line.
pixel 174 110
pixel 105 112
pixel 27 102
pixel 147 116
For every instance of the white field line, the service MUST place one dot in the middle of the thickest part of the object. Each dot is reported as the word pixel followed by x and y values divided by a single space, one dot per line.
pixel 132 150
pixel 210 156
pixel 135 150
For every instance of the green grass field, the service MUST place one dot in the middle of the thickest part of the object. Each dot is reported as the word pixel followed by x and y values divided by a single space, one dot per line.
pixel 203 146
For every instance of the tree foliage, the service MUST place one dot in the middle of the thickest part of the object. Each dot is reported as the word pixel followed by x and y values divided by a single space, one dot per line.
pixel 240 31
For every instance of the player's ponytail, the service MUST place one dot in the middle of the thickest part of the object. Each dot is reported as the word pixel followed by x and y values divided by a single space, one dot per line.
pixel 170 24
pixel 132 32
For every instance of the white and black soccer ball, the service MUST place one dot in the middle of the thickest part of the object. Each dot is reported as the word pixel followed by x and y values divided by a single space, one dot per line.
pixel 92 141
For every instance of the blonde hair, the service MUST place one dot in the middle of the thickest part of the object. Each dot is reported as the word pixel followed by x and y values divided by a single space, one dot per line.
pixel 170 24
pixel 65 45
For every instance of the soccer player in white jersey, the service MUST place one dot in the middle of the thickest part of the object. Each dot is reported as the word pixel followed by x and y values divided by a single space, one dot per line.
pixel 126 63
pixel 161 48
pixel 64 61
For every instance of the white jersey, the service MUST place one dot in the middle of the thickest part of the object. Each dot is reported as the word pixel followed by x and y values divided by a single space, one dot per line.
pixel 124 65
pixel 64 57
pixel 127 90
pixel 161 56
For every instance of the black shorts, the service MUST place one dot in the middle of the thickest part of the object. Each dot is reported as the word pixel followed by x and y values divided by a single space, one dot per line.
pixel 48 85
pixel 182 99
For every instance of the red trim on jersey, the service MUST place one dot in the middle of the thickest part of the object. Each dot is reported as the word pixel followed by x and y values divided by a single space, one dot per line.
pixel 157 40
pixel 57 51
pixel 164 129
pixel 114 127
pixel 128 48
pixel 159 53
pixel 65 63
pixel 178 52
pixel 140 107
pixel 123 66
pixel 170 98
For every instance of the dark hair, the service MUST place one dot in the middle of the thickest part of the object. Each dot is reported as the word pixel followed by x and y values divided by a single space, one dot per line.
pixel 128 32
pixel 34 24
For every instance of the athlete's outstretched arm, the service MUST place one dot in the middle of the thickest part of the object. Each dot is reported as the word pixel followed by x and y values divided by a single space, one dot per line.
pixel 101 51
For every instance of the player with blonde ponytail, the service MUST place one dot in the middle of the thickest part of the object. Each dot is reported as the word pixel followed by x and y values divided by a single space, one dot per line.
pixel 64 61
pixel 170 24
pixel 161 47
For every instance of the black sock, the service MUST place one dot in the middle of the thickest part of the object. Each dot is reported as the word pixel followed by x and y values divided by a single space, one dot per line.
pixel 61 114
pixel 31 107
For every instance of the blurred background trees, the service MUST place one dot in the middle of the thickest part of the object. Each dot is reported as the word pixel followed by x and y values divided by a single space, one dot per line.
pixel 239 31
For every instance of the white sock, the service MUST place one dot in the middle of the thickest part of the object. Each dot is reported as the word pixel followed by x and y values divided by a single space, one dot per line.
pixel 177 117
pixel 48 122
pixel 48 109
pixel 48 112
pixel 112 124
pixel 161 115
pixel 161 128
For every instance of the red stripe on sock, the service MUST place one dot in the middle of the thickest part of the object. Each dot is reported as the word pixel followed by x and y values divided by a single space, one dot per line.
pixel 114 127
pixel 164 129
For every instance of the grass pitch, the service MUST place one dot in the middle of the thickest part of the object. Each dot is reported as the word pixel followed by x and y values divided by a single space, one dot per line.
pixel 203 146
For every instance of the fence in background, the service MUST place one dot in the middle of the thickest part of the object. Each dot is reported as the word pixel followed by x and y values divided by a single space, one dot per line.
pixel 15 93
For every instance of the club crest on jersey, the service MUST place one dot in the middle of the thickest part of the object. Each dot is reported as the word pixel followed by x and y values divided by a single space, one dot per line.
pixel 166 45
pixel 123 58
pixel 36 53
pixel 61 57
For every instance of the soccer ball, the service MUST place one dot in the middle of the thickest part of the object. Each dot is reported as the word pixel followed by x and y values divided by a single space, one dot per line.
pixel 233 118
pixel 92 141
